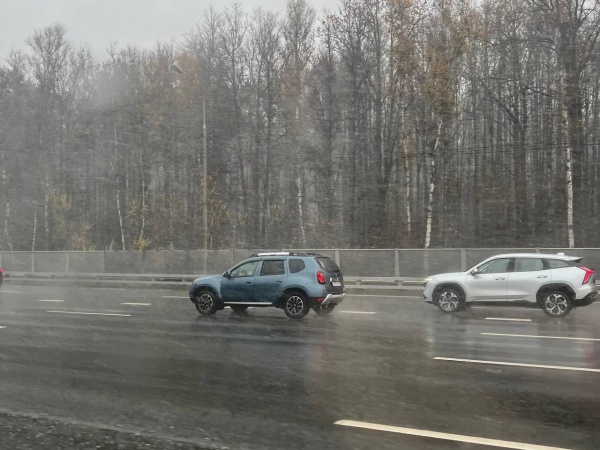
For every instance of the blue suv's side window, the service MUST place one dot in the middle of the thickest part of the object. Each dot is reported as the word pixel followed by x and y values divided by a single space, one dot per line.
pixel 272 267
pixel 296 265
pixel 244 270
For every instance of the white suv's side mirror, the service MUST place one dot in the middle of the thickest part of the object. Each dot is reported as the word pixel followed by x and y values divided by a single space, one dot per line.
pixel 474 272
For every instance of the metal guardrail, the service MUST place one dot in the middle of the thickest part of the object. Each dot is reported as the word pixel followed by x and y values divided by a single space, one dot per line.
pixel 178 280
pixel 375 283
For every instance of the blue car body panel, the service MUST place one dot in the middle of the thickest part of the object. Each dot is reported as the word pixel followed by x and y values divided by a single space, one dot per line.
pixel 268 288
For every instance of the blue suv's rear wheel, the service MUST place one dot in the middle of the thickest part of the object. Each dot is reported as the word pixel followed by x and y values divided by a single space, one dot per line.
pixel 295 305
pixel 206 302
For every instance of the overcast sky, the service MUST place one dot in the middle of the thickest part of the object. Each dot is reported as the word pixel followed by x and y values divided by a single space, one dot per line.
pixel 97 23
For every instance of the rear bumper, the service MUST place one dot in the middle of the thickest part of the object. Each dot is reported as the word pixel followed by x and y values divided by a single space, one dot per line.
pixel 587 300
pixel 333 299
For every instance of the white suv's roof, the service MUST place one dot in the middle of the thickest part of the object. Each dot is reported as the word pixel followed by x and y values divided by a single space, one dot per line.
pixel 538 255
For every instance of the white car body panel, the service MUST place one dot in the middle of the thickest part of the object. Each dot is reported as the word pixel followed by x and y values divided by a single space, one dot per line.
pixel 514 286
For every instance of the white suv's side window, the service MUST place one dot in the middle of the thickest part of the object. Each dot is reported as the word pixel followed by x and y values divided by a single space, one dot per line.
pixel 495 266
pixel 557 264
pixel 528 264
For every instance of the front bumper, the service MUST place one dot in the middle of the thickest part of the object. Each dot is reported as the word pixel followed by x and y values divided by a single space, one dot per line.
pixel 333 299
pixel 427 293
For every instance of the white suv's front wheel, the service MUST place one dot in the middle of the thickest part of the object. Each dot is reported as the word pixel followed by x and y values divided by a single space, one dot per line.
pixel 449 300
pixel 556 304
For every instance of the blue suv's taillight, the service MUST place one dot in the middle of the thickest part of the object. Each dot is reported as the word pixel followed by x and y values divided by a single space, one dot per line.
pixel 320 278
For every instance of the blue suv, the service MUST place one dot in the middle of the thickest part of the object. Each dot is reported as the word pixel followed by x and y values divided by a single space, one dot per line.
pixel 294 282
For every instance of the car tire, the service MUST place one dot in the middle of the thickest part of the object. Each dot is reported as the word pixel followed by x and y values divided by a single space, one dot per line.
pixel 206 302
pixel 449 300
pixel 295 305
pixel 556 303
pixel 324 310
pixel 239 308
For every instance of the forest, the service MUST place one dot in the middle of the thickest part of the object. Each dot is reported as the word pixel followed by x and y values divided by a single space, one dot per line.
pixel 381 124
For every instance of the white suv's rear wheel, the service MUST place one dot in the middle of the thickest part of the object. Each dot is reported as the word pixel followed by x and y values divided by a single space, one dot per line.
pixel 556 304
pixel 449 300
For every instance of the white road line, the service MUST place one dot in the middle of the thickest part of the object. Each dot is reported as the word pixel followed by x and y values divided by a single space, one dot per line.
pixel 543 337
pixel 173 296
pixel 137 304
pixel 107 288
pixel 52 301
pixel 358 312
pixel 2 327
pixel 9 292
pixel 89 313
pixel 445 436
pixel 507 319
pixel 504 363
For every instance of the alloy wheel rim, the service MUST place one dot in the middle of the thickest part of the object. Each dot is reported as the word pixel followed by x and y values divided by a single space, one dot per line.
pixel 295 304
pixel 205 302
pixel 556 304
pixel 448 301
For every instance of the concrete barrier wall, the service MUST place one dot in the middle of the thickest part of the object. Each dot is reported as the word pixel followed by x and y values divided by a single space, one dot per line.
pixel 416 263
pixel 85 262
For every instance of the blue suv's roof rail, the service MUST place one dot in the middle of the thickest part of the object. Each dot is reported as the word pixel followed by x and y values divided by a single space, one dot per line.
pixel 284 254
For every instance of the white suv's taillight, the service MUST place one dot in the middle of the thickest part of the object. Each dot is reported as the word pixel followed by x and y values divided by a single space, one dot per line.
pixel 588 274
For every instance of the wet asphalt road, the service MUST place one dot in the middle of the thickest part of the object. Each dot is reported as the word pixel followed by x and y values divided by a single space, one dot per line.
pixel 158 376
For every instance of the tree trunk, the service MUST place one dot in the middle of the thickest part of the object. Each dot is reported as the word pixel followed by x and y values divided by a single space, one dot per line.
pixel 114 168
pixel 432 180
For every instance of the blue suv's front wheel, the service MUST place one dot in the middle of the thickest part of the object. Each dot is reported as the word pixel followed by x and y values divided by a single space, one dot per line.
pixel 206 302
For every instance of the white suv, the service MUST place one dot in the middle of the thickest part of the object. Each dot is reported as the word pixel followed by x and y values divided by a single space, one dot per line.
pixel 556 283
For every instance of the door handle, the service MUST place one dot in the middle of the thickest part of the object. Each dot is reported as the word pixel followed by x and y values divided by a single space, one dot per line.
pixel 542 276
pixel 280 281
pixel 501 278
pixel 249 282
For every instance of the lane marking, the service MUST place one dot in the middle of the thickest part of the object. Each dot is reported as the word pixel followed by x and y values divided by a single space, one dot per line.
pixel 9 292
pixel 108 288
pixel 173 296
pixel 504 363
pixel 2 327
pixel 358 312
pixel 89 313
pixel 507 319
pixel 445 436
pixel 52 301
pixel 543 337
pixel 136 304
